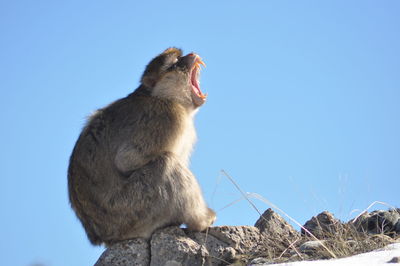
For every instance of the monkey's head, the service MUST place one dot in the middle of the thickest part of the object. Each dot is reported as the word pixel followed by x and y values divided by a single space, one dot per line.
pixel 173 76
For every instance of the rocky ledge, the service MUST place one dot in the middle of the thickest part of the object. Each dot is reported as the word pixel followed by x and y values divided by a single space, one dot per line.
pixel 271 240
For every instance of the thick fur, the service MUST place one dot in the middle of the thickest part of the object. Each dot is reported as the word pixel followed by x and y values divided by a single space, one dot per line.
pixel 128 173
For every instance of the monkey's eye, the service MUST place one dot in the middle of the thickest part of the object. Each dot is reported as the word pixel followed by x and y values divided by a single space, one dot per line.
pixel 175 60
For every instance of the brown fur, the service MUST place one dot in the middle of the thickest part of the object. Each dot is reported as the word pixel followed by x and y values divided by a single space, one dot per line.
pixel 128 173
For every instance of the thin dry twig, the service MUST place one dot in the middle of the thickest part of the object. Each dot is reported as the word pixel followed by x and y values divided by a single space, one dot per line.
pixel 231 203
pixel 291 246
pixel 241 191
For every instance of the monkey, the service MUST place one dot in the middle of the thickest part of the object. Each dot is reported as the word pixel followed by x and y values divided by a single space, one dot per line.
pixel 128 173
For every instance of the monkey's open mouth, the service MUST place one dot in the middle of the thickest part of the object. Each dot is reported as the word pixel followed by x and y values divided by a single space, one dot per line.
pixel 198 96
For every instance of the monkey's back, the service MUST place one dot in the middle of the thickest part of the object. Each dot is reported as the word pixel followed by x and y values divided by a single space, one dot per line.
pixel 94 177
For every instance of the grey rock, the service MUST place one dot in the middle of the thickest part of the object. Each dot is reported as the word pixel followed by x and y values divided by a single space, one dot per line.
pixel 171 247
pixel 243 239
pixel 133 253
pixel 323 225
pixel 394 260
pixel 397 227
pixel 311 246
pixel 241 245
pixel 378 222
pixel 172 263
pixel 272 224
pixel 261 261
pixel 219 251
pixel 175 245
pixel 220 245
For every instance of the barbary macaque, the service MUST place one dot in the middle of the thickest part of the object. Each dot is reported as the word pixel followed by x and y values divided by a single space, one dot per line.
pixel 128 173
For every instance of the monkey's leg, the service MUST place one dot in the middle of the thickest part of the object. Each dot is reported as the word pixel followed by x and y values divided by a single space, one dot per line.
pixel 196 215
pixel 163 192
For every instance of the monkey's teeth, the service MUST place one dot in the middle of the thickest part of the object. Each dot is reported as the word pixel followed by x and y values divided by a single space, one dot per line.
pixel 200 62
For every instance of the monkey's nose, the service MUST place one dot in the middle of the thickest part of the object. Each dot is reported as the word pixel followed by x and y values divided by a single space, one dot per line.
pixel 191 55
pixel 195 59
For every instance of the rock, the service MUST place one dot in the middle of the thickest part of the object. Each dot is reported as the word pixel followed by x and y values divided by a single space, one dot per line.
pixel 174 246
pixel 276 234
pixel 272 224
pixel 243 239
pixel 219 251
pixel 171 246
pixel 261 261
pixel 133 252
pixel 394 260
pixel 311 246
pixel 378 222
pixel 271 240
pixel 397 227
pixel 322 226
pixel 220 245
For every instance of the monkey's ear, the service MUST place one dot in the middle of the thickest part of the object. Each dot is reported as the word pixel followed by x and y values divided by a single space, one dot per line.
pixel 159 64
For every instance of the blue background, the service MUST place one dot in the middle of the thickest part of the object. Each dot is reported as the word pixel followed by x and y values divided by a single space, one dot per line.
pixel 303 106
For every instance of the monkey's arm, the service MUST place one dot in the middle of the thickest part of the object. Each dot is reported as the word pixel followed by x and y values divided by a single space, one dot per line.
pixel 131 156
pixel 154 131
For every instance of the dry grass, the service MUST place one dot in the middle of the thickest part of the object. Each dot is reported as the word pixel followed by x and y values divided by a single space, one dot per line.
pixel 342 241
pixel 347 241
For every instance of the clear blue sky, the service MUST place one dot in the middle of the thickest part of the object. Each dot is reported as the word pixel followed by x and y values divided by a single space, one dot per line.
pixel 303 106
